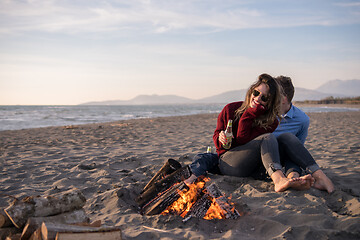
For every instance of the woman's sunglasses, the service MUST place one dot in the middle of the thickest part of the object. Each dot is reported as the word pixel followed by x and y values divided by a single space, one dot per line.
pixel 257 93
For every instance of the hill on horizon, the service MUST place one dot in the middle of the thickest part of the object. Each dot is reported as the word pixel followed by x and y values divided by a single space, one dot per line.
pixel 335 88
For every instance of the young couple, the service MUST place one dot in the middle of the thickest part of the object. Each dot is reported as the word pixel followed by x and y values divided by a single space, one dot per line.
pixel 268 136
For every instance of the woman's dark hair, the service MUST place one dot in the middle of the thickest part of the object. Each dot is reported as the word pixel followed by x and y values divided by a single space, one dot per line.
pixel 273 104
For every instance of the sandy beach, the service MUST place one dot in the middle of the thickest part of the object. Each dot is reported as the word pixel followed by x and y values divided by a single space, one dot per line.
pixel 112 162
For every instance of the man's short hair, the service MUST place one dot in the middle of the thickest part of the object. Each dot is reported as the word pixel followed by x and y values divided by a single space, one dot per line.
pixel 287 86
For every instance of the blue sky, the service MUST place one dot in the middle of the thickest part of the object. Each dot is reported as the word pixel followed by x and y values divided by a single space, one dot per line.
pixel 70 52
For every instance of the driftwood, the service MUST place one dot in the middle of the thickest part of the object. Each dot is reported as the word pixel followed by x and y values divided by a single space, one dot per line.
pixel 162 185
pixel 108 235
pixel 49 231
pixel 4 220
pixel 169 167
pixel 33 223
pixel 20 211
pixel 159 204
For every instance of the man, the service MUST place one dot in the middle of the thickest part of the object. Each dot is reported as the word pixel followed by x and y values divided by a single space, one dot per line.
pixel 294 121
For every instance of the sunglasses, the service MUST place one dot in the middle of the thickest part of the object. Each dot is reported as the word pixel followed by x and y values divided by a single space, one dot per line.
pixel 257 93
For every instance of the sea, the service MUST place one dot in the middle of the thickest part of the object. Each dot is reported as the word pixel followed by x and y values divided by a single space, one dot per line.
pixel 18 117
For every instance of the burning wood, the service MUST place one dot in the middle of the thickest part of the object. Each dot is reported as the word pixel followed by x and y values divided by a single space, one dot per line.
pixel 195 200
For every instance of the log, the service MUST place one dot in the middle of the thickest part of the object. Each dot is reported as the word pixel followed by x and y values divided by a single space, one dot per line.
pixel 162 185
pixel 108 235
pixel 4 232
pixel 159 204
pixel 200 207
pixel 169 167
pixel 4 220
pixel 39 206
pixel 36 235
pixel 14 237
pixel 229 211
pixel 33 223
pixel 50 230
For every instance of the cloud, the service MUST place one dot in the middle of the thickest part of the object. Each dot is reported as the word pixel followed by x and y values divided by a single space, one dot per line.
pixel 165 15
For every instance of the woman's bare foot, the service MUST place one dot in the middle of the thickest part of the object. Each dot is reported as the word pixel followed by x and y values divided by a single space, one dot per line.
pixel 322 182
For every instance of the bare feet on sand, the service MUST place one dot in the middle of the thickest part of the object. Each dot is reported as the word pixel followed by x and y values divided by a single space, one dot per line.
pixel 282 183
pixel 322 182
pixel 302 183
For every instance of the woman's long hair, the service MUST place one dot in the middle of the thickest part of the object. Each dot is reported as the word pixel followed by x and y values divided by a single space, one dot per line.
pixel 273 104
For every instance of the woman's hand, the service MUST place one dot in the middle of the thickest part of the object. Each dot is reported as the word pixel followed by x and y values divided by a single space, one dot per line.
pixel 222 138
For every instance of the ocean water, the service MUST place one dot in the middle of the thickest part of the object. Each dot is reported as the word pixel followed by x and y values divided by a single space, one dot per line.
pixel 23 117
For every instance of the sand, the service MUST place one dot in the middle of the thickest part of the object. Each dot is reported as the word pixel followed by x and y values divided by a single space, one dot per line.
pixel 112 162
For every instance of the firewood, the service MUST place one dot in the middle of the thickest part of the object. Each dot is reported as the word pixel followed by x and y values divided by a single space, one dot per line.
pixel 39 206
pixel 159 204
pixel 222 201
pixel 4 232
pixel 162 185
pixel 169 167
pixel 50 230
pixel 36 235
pixel 33 223
pixel 108 235
pixel 200 207
pixel 4 220
pixel 16 236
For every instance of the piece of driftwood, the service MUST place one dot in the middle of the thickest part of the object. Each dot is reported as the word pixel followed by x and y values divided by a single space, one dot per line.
pixel 162 185
pixel 33 223
pixel 169 167
pixel 159 204
pixel 40 206
pixel 50 230
pixel 4 220
pixel 107 235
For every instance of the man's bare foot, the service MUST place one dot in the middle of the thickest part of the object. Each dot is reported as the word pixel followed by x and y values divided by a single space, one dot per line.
pixel 282 183
pixel 303 183
pixel 322 182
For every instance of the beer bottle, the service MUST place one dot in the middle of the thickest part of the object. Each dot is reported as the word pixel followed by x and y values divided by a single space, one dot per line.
pixel 228 134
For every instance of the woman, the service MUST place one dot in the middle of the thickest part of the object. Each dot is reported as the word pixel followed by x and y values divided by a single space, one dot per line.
pixel 253 147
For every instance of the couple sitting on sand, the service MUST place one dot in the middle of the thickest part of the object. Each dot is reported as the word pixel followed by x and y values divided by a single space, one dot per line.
pixel 268 136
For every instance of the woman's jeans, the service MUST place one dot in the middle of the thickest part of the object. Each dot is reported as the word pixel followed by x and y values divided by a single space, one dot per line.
pixel 247 159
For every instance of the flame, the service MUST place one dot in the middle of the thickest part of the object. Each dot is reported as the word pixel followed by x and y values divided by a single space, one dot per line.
pixel 214 211
pixel 188 198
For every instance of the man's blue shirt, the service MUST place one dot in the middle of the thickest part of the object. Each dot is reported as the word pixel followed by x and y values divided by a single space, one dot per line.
pixel 295 121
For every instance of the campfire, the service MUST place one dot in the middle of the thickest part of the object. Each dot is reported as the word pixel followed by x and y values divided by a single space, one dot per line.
pixel 167 193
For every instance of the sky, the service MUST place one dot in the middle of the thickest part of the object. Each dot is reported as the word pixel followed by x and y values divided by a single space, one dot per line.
pixel 67 52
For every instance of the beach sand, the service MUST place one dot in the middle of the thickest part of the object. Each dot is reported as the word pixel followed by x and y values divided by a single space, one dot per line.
pixel 112 162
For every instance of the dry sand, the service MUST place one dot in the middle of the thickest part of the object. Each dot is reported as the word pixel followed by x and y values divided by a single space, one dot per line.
pixel 112 162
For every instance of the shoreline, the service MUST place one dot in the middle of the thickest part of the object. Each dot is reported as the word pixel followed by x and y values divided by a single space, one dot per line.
pixel 122 156
pixel 332 107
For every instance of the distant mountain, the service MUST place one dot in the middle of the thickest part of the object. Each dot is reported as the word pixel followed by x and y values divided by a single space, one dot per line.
pixel 226 97
pixel 334 88
pixel 347 88
pixel 302 94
